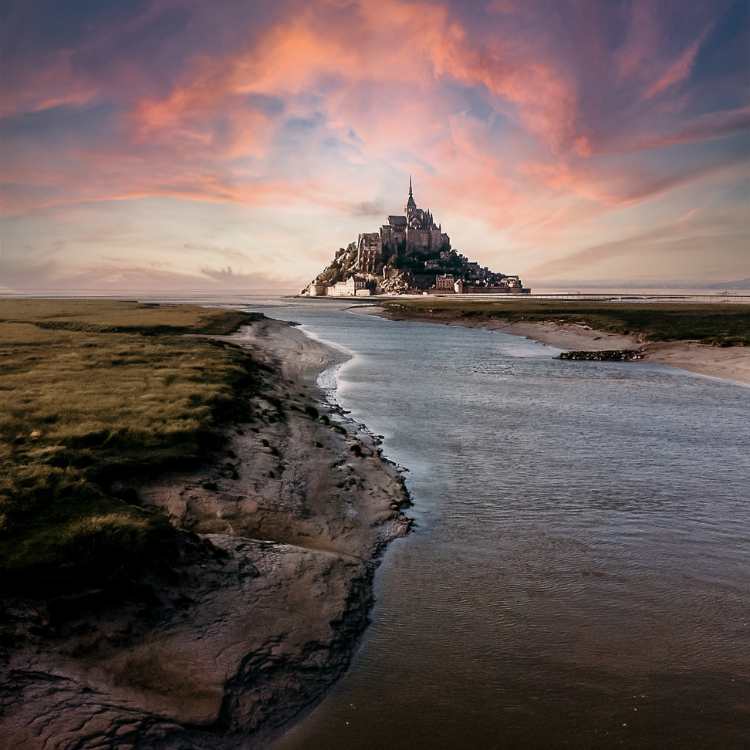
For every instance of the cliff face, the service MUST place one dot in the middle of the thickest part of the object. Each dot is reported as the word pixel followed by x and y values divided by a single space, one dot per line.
pixel 410 269
pixel 385 276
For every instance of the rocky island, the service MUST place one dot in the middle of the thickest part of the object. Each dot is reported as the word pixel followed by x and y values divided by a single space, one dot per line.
pixel 410 254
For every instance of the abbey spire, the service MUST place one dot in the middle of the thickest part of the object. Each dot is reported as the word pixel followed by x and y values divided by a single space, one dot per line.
pixel 411 204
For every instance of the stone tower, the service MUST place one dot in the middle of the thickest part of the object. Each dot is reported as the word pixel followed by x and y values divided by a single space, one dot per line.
pixel 411 205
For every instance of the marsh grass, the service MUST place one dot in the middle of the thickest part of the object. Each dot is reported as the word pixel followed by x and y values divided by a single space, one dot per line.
pixel 710 323
pixel 93 395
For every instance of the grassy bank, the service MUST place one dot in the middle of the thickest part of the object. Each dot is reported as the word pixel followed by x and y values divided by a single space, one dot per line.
pixel 710 323
pixel 92 395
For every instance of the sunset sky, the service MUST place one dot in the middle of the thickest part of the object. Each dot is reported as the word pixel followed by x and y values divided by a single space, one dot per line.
pixel 195 145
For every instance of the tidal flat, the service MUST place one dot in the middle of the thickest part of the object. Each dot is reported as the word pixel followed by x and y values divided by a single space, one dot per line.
pixel 189 531
pixel 724 324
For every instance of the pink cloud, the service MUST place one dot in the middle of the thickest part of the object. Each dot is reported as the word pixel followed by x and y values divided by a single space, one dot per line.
pixel 643 249
pixel 356 49
pixel 706 127
pixel 679 70
pixel 501 116
pixel 52 84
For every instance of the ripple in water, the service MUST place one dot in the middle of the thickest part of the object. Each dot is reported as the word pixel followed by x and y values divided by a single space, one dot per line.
pixel 580 572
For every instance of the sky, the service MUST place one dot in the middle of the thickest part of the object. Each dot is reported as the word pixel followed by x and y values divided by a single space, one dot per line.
pixel 207 146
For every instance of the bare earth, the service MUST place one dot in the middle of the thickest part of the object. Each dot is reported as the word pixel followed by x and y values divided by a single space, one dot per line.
pixel 283 533
pixel 728 363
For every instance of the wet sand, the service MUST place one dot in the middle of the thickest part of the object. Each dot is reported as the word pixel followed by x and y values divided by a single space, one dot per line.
pixel 728 363
pixel 282 534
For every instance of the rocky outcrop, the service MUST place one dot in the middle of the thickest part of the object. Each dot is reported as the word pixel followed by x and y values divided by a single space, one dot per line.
pixel 258 613
pixel 607 355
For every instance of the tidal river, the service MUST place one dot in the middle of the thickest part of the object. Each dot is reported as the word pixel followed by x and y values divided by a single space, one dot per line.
pixel 579 574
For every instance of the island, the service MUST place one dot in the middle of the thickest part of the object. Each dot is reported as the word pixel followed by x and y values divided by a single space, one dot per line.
pixel 410 254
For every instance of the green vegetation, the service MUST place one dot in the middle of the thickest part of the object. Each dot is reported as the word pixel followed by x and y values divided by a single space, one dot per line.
pixel 95 394
pixel 722 324
pixel 413 263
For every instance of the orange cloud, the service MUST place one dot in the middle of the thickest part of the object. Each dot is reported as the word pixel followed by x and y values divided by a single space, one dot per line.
pixel 383 43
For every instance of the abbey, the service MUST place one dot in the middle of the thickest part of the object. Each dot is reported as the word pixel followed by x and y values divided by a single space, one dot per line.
pixel 409 254
pixel 415 232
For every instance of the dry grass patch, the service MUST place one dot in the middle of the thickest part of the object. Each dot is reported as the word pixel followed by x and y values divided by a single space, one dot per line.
pixel 119 317
pixel 88 406
pixel 711 323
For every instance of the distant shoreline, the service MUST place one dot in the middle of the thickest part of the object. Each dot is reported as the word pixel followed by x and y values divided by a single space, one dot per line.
pixel 730 363
pixel 732 297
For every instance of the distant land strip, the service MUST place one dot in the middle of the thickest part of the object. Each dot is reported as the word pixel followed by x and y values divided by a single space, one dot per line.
pixel 708 338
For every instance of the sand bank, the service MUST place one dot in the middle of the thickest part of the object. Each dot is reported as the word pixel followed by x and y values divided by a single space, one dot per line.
pixel 282 532
pixel 728 363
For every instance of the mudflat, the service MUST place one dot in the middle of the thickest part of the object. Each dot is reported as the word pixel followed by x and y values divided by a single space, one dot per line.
pixel 251 605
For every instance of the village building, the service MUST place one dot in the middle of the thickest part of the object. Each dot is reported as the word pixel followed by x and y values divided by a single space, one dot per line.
pixel 444 283
pixel 351 287
pixel 317 290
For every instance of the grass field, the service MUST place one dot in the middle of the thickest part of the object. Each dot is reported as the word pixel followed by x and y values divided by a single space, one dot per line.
pixel 92 394
pixel 710 323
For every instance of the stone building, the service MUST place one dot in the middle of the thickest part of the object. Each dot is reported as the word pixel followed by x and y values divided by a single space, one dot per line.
pixel 351 287
pixel 402 235
pixel 393 234
pixel 317 289
pixel 444 282
pixel 422 233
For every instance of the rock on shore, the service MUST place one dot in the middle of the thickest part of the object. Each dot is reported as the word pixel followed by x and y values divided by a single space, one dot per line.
pixel 607 355
pixel 263 606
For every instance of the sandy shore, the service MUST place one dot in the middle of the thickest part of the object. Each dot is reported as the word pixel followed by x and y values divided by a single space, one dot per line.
pixel 727 363
pixel 283 530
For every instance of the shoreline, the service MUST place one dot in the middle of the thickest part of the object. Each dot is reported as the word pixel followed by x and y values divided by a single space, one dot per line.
pixel 730 364
pixel 281 534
